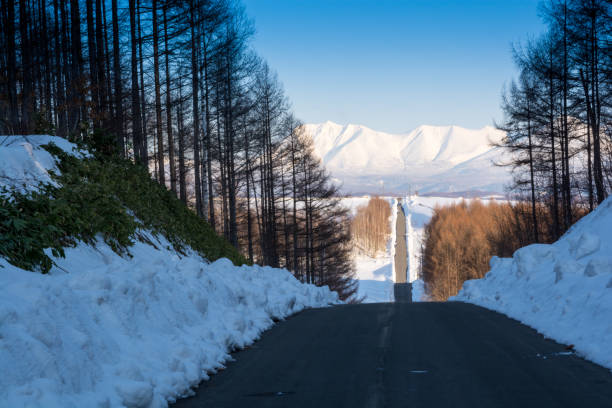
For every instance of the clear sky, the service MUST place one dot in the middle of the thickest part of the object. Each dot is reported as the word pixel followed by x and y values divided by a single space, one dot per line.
pixel 393 64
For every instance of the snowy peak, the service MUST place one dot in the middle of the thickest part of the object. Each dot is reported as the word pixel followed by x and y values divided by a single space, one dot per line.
pixel 452 144
pixel 356 154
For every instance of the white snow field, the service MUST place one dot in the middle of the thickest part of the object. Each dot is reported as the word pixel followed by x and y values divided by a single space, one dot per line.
pixel 563 290
pixel 429 159
pixel 101 330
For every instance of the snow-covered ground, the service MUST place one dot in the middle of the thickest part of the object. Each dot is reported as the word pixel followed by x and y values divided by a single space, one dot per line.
pixel 563 290
pixel 375 278
pixel 113 331
pixel 102 330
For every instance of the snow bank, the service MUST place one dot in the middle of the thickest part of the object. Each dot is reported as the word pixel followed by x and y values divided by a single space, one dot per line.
pixel 101 330
pixel 375 278
pixel 563 290
pixel 24 163
pixel 418 291
pixel 133 332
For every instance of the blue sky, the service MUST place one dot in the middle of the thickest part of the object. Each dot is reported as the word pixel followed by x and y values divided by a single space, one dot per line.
pixel 393 65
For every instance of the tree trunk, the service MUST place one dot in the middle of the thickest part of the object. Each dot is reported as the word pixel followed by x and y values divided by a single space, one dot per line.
pixel 101 58
pixel 181 146
pixel 93 66
pixel 585 86
pixel 158 109
pixel 596 111
pixel 211 203
pixel 75 107
pixel 566 180
pixel 294 165
pixel 229 134
pixel 11 66
pixel 47 61
pixel 169 107
pixel 531 174
pixel 136 116
pixel 143 101
pixel 26 61
pixel 551 120
pixel 119 121
pixel 60 94
pixel 195 108
pixel 248 197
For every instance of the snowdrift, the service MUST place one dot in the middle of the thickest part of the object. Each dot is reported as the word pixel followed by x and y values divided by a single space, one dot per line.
pixel 102 330
pixel 563 290
pixel 132 332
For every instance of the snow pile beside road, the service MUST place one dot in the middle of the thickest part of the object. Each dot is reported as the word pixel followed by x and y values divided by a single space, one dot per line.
pixel 134 331
pixel 563 290
pixel 101 330
pixel 418 291
pixel 24 163
pixel 375 278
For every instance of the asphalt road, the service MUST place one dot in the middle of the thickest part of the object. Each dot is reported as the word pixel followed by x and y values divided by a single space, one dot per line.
pixel 405 355
pixel 401 252
pixel 402 292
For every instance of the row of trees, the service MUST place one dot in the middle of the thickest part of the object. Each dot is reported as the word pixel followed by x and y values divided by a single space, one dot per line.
pixel 461 238
pixel 558 115
pixel 370 227
pixel 174 86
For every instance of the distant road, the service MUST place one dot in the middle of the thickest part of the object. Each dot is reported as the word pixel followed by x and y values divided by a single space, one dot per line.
pixel 405 355
pixel 401 253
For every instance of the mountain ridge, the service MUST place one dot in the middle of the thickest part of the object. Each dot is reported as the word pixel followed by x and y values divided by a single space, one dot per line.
pixel 444 159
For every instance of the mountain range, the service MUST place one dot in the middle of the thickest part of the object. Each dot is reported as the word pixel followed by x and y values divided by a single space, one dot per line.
pixel 444 160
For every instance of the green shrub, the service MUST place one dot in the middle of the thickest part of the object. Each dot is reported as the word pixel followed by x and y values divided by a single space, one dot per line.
pixel 99 197
pixel 24 233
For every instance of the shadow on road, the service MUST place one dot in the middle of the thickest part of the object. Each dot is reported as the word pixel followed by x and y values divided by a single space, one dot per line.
pixel 405 355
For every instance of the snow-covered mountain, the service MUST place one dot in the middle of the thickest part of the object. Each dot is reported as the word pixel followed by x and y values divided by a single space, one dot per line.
pixel 430 159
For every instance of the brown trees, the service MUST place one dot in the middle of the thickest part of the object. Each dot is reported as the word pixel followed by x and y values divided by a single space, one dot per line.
pixel 460 239
pixel 457 247
pixel 370 228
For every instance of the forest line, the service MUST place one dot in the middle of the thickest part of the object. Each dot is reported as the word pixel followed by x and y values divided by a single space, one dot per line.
pixel 558 123
pixel 176 87
pixel 558 115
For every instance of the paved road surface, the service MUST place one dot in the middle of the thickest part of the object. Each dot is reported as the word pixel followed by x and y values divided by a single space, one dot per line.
pixel 401 253
pixel 402 292
pixel 404 355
